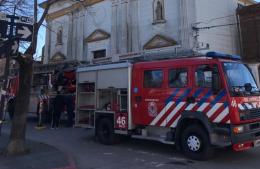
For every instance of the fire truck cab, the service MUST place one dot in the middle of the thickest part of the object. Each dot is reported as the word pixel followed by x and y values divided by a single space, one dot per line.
pixel 198 103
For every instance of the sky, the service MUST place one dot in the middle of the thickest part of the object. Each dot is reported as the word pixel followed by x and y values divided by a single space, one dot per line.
pixel 41 38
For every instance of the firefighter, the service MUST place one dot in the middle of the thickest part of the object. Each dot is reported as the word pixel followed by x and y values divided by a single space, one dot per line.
pixel 69 101
pixel 58 105
pixel 42 109
pixel 11 107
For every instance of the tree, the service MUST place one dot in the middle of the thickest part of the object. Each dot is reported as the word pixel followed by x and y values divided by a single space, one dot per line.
pixel 16 144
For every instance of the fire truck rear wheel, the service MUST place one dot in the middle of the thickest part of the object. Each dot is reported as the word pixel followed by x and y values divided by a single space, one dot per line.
pixel 196 144
pixel 105 131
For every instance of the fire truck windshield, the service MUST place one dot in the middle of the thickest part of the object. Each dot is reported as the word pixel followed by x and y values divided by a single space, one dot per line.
pixel 240 78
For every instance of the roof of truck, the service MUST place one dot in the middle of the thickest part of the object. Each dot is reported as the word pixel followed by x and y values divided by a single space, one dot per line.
pixel 210 57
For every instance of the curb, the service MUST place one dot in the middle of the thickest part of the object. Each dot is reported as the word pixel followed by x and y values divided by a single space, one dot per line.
pixel 72 164
pixel 71 161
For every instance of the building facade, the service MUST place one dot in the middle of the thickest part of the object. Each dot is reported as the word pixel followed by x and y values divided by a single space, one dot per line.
pixel 94 31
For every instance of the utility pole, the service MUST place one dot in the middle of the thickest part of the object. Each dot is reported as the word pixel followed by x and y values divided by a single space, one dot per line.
pixel 7 67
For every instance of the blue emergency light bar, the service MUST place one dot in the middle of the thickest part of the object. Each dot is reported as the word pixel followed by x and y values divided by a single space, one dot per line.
pixel 218 55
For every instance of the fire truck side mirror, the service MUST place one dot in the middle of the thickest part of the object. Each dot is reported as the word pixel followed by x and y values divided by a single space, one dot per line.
pixel 216 85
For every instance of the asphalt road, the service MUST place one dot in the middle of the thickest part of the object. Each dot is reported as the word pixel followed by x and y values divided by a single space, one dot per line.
pixel 134 154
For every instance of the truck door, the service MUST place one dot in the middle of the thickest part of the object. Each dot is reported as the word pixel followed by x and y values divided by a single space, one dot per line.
pixel 179 94
pixel 153 92
pixel 178 91
pixel 170 99
pixel 211 96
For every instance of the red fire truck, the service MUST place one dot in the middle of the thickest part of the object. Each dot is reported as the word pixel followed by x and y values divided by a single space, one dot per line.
pixel 198 103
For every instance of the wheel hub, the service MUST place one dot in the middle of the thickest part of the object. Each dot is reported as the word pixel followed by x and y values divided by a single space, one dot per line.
pixel 194 143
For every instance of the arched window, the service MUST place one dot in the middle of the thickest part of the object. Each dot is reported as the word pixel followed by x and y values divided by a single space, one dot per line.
pixel 158 8
pixel 59 35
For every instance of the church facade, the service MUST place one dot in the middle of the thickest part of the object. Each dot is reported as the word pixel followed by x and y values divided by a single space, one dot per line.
pixel 95 31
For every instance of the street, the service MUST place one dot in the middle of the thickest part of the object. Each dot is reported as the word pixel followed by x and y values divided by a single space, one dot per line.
pixel 80 144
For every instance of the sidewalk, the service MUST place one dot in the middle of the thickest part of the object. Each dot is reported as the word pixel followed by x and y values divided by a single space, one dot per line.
pixel 42 156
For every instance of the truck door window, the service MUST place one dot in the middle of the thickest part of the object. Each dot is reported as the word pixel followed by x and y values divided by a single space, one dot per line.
pixel 178 78
pixel 204 74
pixel 153 78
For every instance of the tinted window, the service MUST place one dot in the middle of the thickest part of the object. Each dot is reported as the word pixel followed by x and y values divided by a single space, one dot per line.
pixel 178 78
pixel 153 78
pixel 203 75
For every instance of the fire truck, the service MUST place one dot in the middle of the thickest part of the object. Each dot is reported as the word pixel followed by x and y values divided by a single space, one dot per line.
pixel 197 103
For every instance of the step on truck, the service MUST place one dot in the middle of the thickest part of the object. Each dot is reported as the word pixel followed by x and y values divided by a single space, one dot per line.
pixel 197 103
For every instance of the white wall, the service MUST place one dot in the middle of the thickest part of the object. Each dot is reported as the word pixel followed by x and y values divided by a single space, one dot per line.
pixel 130 23
pixel 97 17
pixel 53 30
pixel 60 5
pixel 146 27
pixel 218 12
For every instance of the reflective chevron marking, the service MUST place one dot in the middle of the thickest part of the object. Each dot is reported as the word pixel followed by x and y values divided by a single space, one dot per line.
pixel 248 106
pixel 203 107
pixel 209 104
pixel 164 110
pixel 173 113
pixel 241 107
pixel 222 115
pixel 214 109
pixel 254 105
pixel 191 106
pixel 174 124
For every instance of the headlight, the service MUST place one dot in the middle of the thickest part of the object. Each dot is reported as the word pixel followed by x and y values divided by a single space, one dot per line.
pixel 238 129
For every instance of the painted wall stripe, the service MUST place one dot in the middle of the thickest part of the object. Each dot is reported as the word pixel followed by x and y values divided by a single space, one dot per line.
pixel 164 110
pixel 203 107
pixel 214 109
pixel 173 113
pixel 222 115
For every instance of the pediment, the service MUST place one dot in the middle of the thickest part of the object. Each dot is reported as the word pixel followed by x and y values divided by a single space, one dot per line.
pixel 58 57
pixel 97 35
pixel 159 41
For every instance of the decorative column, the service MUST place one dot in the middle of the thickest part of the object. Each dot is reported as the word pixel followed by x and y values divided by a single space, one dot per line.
pixel 184 25
pixel 47 49
pixel 80 38
pixel 70 36
pixel 134 40
pixel 124 27
pixel 74 35
pixel 114 28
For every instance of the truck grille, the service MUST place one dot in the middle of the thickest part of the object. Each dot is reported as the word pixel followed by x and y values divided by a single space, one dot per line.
pixel 252 114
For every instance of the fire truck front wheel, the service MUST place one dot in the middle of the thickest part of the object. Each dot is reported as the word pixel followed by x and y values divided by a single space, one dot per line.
pixel 196 144
pixel 105 131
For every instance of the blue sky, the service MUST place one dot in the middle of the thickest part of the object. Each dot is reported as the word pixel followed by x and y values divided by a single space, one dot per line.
pixel 41 38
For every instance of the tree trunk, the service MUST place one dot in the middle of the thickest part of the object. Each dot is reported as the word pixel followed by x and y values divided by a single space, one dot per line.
pixel 16 144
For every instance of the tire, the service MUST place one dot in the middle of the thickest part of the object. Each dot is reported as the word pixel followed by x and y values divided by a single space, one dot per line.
pixel 105 131
pixel 195 143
